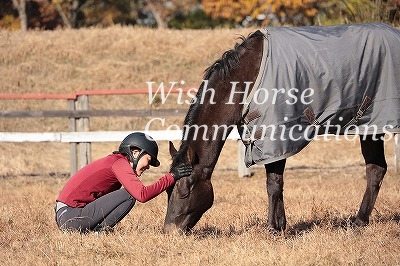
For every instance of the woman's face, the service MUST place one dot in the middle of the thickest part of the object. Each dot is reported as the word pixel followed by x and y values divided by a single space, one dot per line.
pixel 143 164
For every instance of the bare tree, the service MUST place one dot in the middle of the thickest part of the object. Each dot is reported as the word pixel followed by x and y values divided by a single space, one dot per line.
pixel 61 13
pixel 68 18
pixel 20 5
pixel 74 13
pixel 156 8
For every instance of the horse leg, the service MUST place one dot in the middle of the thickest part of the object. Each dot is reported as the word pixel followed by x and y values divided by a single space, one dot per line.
pixel 374 156
pixel 276 211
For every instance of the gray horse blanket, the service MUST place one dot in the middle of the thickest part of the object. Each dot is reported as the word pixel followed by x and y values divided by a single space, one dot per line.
pixel 322 80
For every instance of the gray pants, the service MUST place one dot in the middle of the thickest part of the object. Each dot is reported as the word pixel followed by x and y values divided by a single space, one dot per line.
pixel 101 214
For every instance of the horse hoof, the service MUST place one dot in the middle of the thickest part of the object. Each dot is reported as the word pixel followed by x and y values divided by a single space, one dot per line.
pixel 274 232
pixel 359 223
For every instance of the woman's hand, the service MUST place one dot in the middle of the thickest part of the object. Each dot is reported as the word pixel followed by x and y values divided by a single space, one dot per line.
pixel 181 170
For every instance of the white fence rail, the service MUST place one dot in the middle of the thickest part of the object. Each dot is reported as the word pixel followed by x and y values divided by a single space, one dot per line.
pixel 79 137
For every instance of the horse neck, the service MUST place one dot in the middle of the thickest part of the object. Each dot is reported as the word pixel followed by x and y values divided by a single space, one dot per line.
pixel 220 119
pixel 225 108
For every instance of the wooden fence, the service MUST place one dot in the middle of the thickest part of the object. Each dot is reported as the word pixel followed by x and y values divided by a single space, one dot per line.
pixel 80 137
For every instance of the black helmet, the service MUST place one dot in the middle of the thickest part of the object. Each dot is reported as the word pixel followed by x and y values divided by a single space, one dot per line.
pixel 144 143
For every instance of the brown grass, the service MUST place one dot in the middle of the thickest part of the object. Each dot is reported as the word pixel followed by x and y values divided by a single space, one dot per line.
pixel 323 184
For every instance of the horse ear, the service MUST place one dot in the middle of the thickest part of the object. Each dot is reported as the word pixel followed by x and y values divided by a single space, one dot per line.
pixel 172 149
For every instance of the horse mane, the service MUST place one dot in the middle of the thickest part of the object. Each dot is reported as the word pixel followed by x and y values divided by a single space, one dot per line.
pixel 221 67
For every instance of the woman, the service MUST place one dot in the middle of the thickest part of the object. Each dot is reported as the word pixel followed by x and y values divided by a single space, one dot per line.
pixel 92 199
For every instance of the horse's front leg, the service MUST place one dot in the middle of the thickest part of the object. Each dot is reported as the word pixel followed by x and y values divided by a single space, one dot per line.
pixel 276 211
pixel 374 156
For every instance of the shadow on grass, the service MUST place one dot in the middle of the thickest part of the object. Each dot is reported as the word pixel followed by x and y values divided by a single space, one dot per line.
pixel 257 225
pixel 336 223
pixel 254 223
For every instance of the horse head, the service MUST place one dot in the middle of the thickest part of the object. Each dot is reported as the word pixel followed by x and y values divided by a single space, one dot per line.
pixel 189 198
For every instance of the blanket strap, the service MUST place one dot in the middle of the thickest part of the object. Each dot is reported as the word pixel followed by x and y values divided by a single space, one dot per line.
pixel 309 113
pixel 363 107
pixel 251 116
pixel 260 75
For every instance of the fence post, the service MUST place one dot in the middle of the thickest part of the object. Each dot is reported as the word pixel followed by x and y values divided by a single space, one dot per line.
pixel 243 171
pixel 83 125
pixel 72 146
pixel 397 152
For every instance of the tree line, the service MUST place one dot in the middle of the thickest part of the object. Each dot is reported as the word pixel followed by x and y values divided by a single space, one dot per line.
pixel 192 14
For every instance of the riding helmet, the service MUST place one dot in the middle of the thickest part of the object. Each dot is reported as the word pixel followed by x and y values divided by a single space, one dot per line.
pixel 144 143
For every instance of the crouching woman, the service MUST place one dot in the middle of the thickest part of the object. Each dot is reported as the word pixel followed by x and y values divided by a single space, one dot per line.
pixel 93 199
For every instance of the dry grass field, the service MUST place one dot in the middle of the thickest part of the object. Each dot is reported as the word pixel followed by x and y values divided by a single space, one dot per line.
pixel 323 184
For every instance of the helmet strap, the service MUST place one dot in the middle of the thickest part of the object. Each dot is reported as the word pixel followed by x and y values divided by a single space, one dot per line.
pixel 135 160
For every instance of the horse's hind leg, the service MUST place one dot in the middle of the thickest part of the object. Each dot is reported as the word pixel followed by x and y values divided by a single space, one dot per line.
pixel 274 183
pixel 373 152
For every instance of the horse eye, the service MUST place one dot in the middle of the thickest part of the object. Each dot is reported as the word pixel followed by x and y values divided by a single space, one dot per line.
pixel 184 190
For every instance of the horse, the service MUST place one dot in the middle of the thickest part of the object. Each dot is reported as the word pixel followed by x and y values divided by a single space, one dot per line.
pixel 297 67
